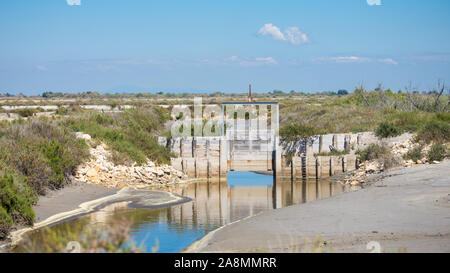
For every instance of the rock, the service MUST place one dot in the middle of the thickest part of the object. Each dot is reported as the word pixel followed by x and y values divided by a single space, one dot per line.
pixel 436 162
pixel 158 172
pixel 419 162
pixel 100 170
pixel 372 167
pixel 92 173
pixel 354 183
pixel 82 136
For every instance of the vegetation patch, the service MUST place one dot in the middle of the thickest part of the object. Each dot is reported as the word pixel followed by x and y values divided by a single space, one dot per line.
pixel 438 152
pixel 414 154
pixel 380 153
pixel 35 155
pixel 386 129
pixel 435 130
pixel 294 131
pixel 16 199
pixel 131 133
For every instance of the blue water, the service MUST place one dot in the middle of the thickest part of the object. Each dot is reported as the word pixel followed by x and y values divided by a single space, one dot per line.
pixel 248 179
pixel 168 230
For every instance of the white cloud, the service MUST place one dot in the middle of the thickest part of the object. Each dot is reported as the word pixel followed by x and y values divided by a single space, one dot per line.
pixel 266 60
pixel 388 61
pixel 73 2
pixel 274 31
pixel 346 59
pixel 292 35
pixel 374 2
pixel 295 36
pixel 259 61
pixel 41 68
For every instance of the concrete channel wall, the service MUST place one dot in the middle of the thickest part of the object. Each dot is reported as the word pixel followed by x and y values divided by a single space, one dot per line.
pixel 213 157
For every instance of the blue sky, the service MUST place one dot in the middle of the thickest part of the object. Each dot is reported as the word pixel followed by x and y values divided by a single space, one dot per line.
pixel 185 46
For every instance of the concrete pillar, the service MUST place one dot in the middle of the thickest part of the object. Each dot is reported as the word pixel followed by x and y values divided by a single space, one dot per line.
pixel 335 141
pixel 223 150
pixel 350 162
pixel 347 142
pixel 344 164
pixel 277 158
pixel 320 144
pixel 324 166
pixel 286 168
pixel 201 168
pixel 177 163
pixel 189 167
pixel 310 167
pixel 336 165
pixel 296 167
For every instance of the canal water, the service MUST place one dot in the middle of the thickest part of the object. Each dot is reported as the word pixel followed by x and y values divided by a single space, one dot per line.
pixel 213 205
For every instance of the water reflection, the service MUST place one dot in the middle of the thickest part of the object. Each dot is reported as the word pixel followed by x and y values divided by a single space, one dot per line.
pixel 214 204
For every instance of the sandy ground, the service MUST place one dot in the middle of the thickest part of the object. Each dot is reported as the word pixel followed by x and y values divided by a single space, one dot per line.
pixel 405 210
pixel 68 198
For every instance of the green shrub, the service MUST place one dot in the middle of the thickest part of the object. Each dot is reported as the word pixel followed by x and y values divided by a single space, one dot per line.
pixel 391 161
pixel 43 152
pixel 62 111
pixel 386 129
pixel 26 112
pixel 16 199
pixel 443 117
pixel 414 154
pixel 407 121
pixel 5 223
pixel 372 152
pixel 434 130
pixel 34 156
pixel 294 131
pixel 130 133
pixel 438 152
pixel 380 153
pixel 60 160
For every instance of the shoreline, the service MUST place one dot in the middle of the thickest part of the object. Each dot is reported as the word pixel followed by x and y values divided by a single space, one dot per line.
pixel 82 199
pixel 404 209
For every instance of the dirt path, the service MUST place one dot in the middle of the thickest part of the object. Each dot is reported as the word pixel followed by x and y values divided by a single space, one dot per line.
pixel 68 198
pixel 408 210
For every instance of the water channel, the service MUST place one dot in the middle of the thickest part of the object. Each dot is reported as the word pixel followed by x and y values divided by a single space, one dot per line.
pixel 213 205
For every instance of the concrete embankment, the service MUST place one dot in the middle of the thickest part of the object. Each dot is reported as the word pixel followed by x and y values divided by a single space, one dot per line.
pixel 406 209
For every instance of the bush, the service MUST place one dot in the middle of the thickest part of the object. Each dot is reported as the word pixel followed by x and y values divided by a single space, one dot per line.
pixel 391 161
pixel 438 152
pixel 414 154
pixel 131 133
pixel 26 112
pixel 5 223
pixel 387 129
pixel 62 111
pixel 408 121
pixel 380 153
pixel 34 156
pixel 372 152
pixel 16 201
pixel 60 161
pixel 43 152
pixel 435 130
pixel 294 131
